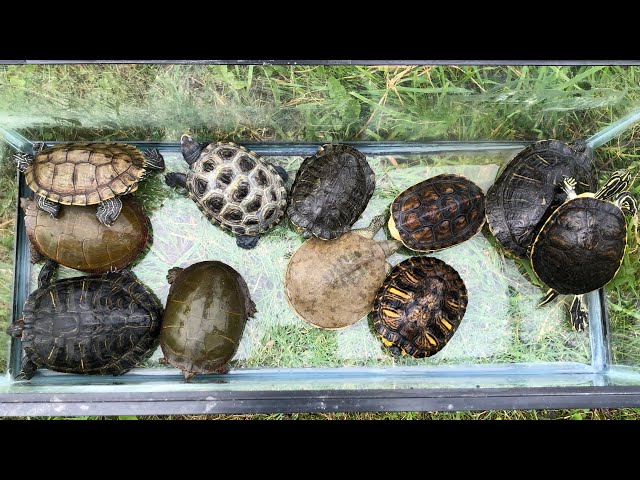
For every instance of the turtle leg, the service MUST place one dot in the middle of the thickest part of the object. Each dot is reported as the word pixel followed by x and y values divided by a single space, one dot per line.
pixel 154 159
pixel 307 234
pixel 52 208
pixel 578 145
pixel 187 375
pixel 246 241
pixel 16 328
pixel 46 273
pixel 627 203
pixel 175 179
pixel 551 295
pixel 23 160
pixel 109 210
pixel 569 187
pixel 579 313
pixel 28 369
pixel 618 182
pixel 35 255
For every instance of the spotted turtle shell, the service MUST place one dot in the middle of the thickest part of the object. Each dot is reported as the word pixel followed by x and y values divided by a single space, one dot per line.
pixel 581 246
pixel 419 307
pixel 98 324
pixel 528 190
pixel 85 173
pixel 206 312
pixel 76 239
pixel 331 190
pixel 438 212
pixel 236 189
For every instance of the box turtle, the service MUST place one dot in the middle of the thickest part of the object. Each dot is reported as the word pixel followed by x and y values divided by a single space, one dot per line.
pixel 98 324
pixel 331 190
pixel 333 284
pixel 235 188
pixel 580 247
pixel 76 239
pixel 437 213
pixel 205 315
pixel 526 192
pixel 419 307
pixel 86 174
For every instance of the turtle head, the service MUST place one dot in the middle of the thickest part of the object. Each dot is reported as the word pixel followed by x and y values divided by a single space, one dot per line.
pixel 190 148
pixel 23 161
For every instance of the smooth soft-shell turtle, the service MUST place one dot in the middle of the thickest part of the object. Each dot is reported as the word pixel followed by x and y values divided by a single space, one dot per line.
pixel 86 174
pixel 527 191
pixel 581 246
pixel 76 239
pixel 419 307
pixel 333 284
pixel 98 324
pixel 437 213
pixel 206 312
pixel 234 188
pixel 331 190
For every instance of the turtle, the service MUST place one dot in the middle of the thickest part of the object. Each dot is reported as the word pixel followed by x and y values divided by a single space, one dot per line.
pixel 419 307
pixel 580 247
pixel 205 315
pixel 437 213
pixel 86 174
pixel 76 239
pixel 526 192
pixel 332 284
pixel 331 190
pixel 97 324
pixel 234 187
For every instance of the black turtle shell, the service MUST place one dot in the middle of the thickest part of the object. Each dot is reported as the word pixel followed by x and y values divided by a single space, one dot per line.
pixel 331 190
pixel 580 248
pixel 528 191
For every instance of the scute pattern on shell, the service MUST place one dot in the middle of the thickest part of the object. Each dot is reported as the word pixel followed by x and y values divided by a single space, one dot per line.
pixel 85 173
pixel 438 212
pixel 236 189
pixel 98 324
pixel 581 246
pixel 331 190
pixel 527 191
pixel 419 306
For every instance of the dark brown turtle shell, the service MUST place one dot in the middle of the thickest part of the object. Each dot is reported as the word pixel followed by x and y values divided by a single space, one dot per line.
pixel 528 190
pixel 437 213
pixel 419 307
pixel 331 190
pixel 206 312
pixel 85 173
pixel 581 246
pixel 77 239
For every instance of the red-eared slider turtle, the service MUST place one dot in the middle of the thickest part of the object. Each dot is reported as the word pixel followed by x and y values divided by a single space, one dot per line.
pixel 580 247
pixel 437 213
pixel 331 190
pixel 419 307
pixel 234 188
pixel 76 239
pixel 86 174
pixel 526 191
pixel 98 324
pixel 333 284
pixel 206 312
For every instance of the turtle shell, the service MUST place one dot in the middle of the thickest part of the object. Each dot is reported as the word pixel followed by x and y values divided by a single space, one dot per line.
pixel 206 312
pixel 437 213
pixel 333 284
pixel 331 190
pixel 528 190
pixel 85 173
pixel 77 239
pixel 581 246
pixel 236 189
pixel 98 324
pixel 419 307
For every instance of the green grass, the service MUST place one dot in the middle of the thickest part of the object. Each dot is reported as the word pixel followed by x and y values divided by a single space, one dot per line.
pixel 322 104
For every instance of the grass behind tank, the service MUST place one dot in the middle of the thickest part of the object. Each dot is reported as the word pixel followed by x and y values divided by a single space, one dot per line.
pixel 333 103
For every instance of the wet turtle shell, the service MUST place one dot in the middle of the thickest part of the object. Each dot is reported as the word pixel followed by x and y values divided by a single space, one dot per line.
pixel 333 284
pixel 419 307
pixel 206 312
pixel 98 324
pixel 437 213
pixel 526 192
pixel 331 190
pixel 77 239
